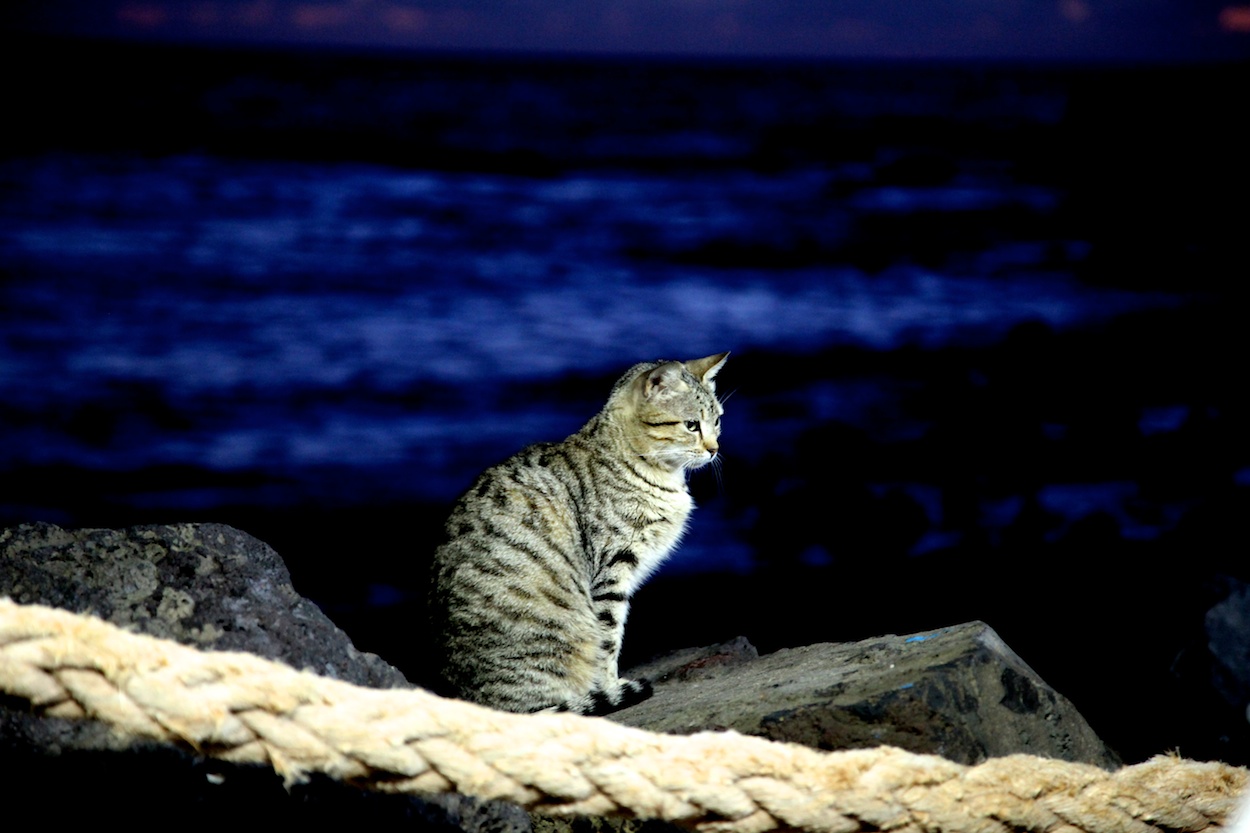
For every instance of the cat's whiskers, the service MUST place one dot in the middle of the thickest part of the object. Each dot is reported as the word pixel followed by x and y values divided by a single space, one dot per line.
pixel 716 469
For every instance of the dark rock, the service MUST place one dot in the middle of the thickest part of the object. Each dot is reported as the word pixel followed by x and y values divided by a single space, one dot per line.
pixel 1228 640
pixel 206 585
pixel 958 692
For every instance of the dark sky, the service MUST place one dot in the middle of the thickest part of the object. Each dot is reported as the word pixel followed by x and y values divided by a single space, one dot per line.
pixel 1033 29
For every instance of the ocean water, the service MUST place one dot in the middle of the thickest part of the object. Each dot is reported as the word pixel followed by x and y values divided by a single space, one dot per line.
pixel 301 319
pixel 271 281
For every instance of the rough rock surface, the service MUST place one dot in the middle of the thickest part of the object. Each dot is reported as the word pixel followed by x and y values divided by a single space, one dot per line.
pixel 206 585
pixel 957 691
pixel 1226 625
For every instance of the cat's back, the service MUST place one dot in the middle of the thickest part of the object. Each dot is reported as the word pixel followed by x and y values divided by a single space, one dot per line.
pixel 536 493
pixel 561 508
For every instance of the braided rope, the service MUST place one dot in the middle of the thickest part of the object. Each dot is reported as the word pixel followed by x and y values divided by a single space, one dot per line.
pixel 241 708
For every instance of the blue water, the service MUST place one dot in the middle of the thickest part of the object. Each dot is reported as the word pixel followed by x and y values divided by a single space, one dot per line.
pixel 282 307
pixel 377 319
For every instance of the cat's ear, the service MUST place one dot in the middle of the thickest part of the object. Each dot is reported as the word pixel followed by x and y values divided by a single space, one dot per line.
pixel 663 379
pixel 705 369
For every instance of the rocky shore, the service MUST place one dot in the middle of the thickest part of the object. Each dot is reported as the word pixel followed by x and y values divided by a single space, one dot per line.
pixel 957 691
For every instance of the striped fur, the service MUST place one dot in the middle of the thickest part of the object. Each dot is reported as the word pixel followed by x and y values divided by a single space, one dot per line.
pixel 543 552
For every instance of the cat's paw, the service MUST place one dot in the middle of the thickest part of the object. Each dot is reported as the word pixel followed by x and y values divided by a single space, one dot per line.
pixel 605 701
pixel 631 692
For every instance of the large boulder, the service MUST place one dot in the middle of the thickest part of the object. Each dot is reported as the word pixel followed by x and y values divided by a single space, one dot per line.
pixel 206 585
pixel 958 692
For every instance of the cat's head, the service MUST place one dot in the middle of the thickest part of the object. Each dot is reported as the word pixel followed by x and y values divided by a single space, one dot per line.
pixel 674 415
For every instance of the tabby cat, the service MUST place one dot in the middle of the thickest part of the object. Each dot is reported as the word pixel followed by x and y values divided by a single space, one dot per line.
pixel 532 585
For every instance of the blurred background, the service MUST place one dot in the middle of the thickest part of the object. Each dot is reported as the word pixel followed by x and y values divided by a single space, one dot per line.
pixel 307 267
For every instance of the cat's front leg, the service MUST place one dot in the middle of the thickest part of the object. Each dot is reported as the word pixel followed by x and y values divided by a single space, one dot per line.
pixel 616 692
pixel 610 604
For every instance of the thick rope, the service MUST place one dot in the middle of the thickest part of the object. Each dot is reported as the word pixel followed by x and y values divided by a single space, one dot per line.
pixel 241 708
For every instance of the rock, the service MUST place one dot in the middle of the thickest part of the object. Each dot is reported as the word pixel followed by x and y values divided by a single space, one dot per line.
pixel 958 691
pixel 206 585
pixel 1228 628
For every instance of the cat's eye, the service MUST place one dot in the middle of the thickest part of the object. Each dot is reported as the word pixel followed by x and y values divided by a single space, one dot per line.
pixel 692 425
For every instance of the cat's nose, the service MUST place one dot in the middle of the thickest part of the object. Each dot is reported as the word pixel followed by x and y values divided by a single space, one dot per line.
pixel 711 446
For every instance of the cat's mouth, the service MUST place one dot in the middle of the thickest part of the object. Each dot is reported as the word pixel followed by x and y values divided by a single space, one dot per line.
pixel 700 460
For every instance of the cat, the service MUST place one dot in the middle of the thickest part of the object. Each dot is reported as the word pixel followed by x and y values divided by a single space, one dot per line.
pixel 531 586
